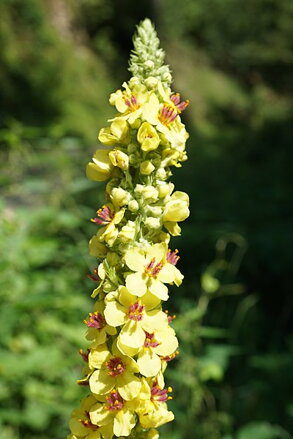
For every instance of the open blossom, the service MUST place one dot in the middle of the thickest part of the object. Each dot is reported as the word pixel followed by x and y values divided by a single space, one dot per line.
pixel 98 329
pixel 130 338
pixel 136 315
pixel 151 271
pixel 114 369
pixel 153 412
pixel 109 218
pixel 116 412
pixel 81 426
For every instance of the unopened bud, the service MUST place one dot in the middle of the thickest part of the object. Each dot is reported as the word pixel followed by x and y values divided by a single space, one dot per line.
pixel 119 158
pixel 146 167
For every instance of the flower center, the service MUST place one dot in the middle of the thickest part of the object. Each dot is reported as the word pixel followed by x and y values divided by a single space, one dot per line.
pixel 135 311
pixel 175 98
pixel 150 341
pixel 94 275
pixel 153 268
pixel 114 401
pixel 115 366
pixel 167 114
pixel 131 103
pixel 105 216
pixel 170 317
pixel 170 357
pixel 84 355
pixel 95 320
pixel 87 422
pixel 172 257
pixel 158 394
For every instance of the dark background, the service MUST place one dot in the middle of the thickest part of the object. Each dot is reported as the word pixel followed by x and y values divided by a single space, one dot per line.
pixel 59 61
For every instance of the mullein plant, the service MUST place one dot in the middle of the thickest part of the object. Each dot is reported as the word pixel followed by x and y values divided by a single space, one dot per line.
pixel 131 340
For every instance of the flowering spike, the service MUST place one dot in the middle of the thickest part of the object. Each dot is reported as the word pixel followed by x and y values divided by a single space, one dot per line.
pixel 131 339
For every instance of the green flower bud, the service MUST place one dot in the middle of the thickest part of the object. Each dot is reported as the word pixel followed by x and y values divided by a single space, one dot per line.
pixel 151 82
pixel 131 148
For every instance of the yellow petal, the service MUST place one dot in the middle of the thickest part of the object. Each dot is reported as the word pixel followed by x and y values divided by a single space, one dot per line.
pixel 93 173
pixel 173 228
pixel 135 259
pixel 167 274
pixel 157 251
pixel 100 382
pixel 151 109
pixel 176 210
pixel 115 314
pixel 125 297
pixel 119 128
pixel 102 161
pixel 168 343
pixel 150 301
pixel 179 195
pixel 76 427
pixel 100 416
pixel 155 319
pixel 157 288
pixel 136 284
pixel 124 422
pixel 128 386
pixel 126 350
pixel 156 418
pixel 148 362
pixel 132 335
pixel 98 356
pixel 99 336
pixel 96 248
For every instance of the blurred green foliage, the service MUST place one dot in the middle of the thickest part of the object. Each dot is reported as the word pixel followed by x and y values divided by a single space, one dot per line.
pixel 59 62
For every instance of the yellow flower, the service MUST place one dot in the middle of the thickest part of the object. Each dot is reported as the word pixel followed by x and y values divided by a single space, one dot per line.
pixel 157 344
pixel 101 167
pixel 148 137
pixel 165 117
pixel 151 271
pixel 130 101
pixel 115 133
pixel 154 411
pixel 117 371
pixel 176 210
pixel 81 426
pixel 171 261
pixel 115 411
pixel 98 329
pixel 107 216
pixel 136 315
